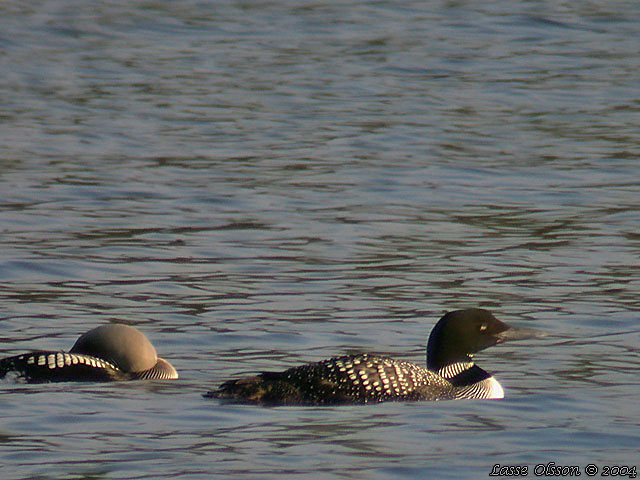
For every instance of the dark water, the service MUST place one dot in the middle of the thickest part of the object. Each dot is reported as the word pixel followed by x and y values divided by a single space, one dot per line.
pixel 259 184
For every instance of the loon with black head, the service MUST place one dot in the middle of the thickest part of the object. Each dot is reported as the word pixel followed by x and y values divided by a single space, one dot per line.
pixel 366 378
pixel 107 353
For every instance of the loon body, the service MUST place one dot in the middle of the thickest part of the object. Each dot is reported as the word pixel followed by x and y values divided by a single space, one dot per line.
pixel 365 378
pixel 107 353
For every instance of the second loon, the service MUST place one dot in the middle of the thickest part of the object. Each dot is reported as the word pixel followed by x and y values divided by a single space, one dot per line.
pixel 365 378
pixel 107 353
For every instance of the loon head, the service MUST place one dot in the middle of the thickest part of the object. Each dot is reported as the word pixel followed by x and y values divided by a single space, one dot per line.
pixel 461 333
pixel 127 348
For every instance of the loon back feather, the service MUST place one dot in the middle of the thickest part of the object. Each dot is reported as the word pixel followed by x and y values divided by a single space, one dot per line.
pixel 360 378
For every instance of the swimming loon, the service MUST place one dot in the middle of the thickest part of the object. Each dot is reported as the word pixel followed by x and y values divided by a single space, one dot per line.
pixel 366 378
pixel 107 353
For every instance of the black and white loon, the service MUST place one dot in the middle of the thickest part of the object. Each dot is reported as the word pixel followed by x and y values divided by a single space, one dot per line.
pixel 107 353
pixel 366 378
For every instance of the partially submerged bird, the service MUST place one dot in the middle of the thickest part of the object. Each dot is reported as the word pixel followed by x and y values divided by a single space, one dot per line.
pixel 107 353
pixel 366 378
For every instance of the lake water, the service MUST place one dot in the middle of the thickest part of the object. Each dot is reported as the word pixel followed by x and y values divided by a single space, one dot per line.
pixel 259 184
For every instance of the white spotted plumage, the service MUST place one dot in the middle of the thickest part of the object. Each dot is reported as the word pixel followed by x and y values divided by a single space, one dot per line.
pixel 367 378
pixel 60 360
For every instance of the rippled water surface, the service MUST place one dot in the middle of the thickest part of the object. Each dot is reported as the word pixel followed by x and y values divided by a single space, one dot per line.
pixel 259 184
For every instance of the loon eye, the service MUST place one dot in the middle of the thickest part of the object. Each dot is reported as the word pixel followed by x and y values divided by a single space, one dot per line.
pixel 483 327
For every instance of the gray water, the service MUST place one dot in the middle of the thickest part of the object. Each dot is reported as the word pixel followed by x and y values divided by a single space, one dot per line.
pixel 260 184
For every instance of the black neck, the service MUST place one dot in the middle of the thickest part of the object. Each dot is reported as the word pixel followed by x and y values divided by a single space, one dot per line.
pixel 469 376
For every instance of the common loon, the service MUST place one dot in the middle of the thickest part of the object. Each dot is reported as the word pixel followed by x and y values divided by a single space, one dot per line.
pixel 366 378
pixel 107 353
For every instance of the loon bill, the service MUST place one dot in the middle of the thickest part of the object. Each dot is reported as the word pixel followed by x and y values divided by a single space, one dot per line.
pixel 107 353
pixel 365 378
